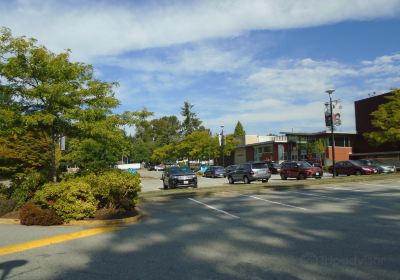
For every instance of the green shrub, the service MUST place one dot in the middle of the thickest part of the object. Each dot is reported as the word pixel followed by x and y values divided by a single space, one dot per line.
pixel 24 186
pixel 6 205
pixel 71 200
pixel 115 189
pixel 30 214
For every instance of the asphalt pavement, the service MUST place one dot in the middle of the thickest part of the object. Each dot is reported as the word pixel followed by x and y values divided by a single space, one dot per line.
pixel 341 231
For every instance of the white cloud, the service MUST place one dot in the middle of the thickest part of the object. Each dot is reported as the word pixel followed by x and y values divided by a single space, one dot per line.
pixel 291 93
pixel 96 28
pixel 200 58
pixel 293 77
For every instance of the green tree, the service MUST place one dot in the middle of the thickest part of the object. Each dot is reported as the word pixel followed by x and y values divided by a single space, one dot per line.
pixel 22 152
pixel 239 131
pixel 165 130
pixel 46 92
pixel 199 145
pixel 387 121
pixel 230 144
pixel 165 153
pixel 190 121
pixel 143 125
pixel 140 151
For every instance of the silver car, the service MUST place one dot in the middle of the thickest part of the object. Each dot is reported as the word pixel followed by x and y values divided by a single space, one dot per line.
pixel 248 172
pixel 382 167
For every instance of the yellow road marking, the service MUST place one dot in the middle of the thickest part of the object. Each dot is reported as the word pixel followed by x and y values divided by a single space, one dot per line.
pixel 54 240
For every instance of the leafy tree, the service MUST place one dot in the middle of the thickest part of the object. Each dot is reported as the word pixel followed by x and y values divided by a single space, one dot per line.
pixel 387 121
pixel 190 121
pixel 43 91
pixel 140 151
pixel 21 152
pixel 143 125
pixel 165 130
pixel 230 144
pixel 239 131
pixel 165 153
pixel 198 145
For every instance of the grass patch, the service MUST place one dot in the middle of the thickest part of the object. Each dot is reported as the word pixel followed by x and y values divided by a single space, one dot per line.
pixel 243 188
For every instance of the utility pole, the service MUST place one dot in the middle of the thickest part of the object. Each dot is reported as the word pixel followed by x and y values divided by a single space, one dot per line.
pixel 330 92
pixel 222 146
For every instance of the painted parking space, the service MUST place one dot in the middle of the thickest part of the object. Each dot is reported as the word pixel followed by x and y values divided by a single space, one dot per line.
pixel 318 199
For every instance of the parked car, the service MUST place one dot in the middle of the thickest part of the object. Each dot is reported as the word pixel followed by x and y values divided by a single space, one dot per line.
pixel 248 172
pixel 154 167
pixel 274 167
pixel 382 167
pixel 230 168
pixel 300 170
pixel 176 176
pixel 215 171
pixel 132 171
pixel 315 163
pixel 353 167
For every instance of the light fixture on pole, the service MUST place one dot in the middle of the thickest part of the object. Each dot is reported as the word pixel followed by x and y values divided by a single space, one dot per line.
pixel 222 145
pixel 330 92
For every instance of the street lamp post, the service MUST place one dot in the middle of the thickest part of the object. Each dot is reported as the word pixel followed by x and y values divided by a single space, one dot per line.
pixel 222 146
pixel 330 92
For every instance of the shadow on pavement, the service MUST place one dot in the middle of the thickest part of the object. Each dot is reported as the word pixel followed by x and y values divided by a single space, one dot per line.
pixel 7 267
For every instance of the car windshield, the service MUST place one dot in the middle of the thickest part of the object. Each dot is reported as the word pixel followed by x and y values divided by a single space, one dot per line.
pixel 358 162
pixel 376 162
pixel 304 164
pixel 180 170
pixel 259 165
pixel 218 168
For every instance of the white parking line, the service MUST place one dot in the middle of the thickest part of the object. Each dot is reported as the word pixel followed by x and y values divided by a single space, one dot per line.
pixel 216 209
pixel 323 196
pixel 270 201
pixel 378 185
pixel 343 189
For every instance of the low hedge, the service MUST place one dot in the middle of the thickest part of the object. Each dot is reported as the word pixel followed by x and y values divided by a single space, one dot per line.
pixel 79 198
pixel 31 214
pixel 71 200
pixel 114 189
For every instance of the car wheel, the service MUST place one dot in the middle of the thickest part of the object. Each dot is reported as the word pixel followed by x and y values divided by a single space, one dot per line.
pixel 358 172
pixel 246 180
pixel 283 177
pixel 170 185
pixel 264 180
pixel 195 185
pixel 165 186
pixel 230 180
pixel 301 177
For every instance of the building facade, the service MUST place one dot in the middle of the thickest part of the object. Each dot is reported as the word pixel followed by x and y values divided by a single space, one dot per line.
pixel 293 146
pixel 388 152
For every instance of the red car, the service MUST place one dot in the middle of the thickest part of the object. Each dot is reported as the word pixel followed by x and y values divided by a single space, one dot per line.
pixel 353 167
pixel 299 170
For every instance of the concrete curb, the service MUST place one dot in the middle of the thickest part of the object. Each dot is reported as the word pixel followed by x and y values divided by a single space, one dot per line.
pixel 124 221
pixel 5 221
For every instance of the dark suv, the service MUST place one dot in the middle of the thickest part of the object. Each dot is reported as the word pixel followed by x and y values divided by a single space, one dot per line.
pixel 299 170
pixel 215 171
pixel 248 172
pixel 179 176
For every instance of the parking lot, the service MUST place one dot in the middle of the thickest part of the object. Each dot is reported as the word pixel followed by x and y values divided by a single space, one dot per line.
pixel 335 231
pixel 151 180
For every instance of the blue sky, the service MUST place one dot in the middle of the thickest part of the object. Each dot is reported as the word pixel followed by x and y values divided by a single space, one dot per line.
pixel 264 63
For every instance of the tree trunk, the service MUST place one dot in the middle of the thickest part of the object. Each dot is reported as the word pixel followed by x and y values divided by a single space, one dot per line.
pixel 53 163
